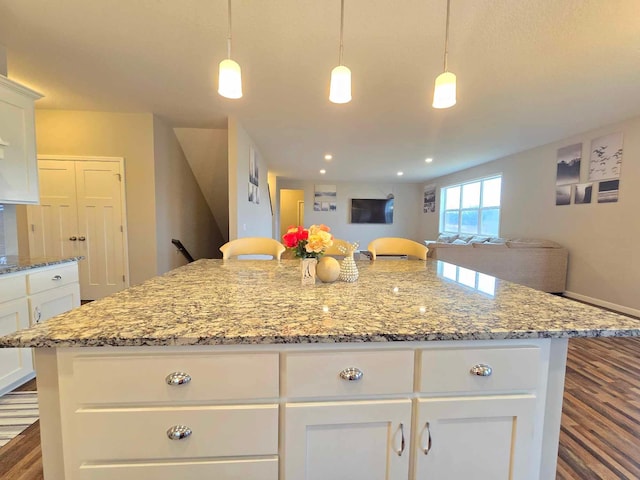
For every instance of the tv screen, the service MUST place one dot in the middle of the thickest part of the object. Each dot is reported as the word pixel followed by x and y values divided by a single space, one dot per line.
pixel 372 210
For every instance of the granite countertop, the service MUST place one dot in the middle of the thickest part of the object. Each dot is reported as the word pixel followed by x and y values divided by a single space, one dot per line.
pixel 211 302
pixel 14 263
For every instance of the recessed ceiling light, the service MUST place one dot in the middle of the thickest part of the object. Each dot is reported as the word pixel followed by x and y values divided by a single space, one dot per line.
pixel 428 160
pixel 323 171
pixel 328 156
pixel 400 174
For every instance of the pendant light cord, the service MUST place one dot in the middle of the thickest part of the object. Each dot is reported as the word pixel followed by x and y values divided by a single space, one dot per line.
pixel 229 37
pixel 341 31
pixel 446 36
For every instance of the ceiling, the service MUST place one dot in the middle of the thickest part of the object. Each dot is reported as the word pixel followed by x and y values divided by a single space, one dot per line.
pixel 529 73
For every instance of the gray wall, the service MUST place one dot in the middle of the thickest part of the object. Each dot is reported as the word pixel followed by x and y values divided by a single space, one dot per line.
pixel 181 209
pixel 603 239
pixel 406 216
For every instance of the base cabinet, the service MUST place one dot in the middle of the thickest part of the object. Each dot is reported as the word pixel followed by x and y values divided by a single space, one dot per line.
pixel 16 364
pixel 483 438
pixel 348 440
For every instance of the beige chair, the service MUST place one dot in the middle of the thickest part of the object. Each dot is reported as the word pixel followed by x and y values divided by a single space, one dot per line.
pixel 252 246
pixel 397 246
pixel 334 251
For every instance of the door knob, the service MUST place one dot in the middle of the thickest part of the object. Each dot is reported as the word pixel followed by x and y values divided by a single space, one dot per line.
pixel 73 239
pixel 82 239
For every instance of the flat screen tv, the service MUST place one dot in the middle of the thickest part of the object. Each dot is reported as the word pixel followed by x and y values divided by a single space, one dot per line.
pixel 372 210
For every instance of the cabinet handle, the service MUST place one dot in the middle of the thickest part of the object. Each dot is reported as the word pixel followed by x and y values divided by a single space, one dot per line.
pixel 73 239
pixel 351 374
pixel 481 370
pixel 56 278
pixel 179 432
pixel 178 378
pixel 399 452
pixel 37 314
pixel 426 448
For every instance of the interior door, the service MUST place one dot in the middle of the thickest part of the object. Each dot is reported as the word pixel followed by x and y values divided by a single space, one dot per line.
pixel 100 228
pixel 53 225
pixel 81 213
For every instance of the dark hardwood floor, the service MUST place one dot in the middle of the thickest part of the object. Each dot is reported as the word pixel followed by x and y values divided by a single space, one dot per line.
pixel 599 439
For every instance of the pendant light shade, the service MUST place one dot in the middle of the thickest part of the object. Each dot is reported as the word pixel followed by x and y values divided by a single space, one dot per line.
pixel 444 95
pixel 229 79
pixel 340 89
pixel 229 75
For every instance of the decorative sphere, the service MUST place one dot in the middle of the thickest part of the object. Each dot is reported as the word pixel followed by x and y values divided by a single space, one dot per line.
pixel 328 269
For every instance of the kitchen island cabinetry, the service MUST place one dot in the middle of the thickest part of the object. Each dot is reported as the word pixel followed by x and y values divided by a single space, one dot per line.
pixel 18 163
pixel 310 383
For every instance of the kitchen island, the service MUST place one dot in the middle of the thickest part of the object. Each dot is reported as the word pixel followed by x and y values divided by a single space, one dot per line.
pixel 234 370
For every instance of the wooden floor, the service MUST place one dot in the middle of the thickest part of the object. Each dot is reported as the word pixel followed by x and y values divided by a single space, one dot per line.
pixel 600 436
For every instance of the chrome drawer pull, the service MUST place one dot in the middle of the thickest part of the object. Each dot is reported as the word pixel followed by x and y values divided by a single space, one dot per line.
pixel 399 452
pixel 351 374
pixel 481 370
pixel 57 277
pixel 179 432
pixel 427 447
pixel 178 378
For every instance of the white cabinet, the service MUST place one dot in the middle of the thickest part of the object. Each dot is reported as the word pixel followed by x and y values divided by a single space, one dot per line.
pixel 478 437
pixel 16 364
pixel 18 164
pixel 28 297
pixel 360 440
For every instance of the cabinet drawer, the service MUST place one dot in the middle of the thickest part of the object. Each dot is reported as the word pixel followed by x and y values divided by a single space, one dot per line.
pixel 449 370
pixel 128 379
pixel 12 287
pixel 46 279
pixel 318 374
pixel 141 433
pixel 250 469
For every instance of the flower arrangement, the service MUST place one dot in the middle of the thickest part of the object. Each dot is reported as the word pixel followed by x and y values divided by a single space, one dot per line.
pixel 309 243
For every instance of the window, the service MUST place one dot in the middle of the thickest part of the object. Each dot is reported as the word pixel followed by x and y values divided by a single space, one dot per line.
pixel 471 208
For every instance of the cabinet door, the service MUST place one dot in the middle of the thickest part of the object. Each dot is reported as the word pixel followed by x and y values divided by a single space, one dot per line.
pixel 366 440
pixel 53 302
pixel 15 363
pixel 484 438
pixel 18 167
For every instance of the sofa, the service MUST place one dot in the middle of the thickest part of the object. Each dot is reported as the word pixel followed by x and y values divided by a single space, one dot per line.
pixel 536 263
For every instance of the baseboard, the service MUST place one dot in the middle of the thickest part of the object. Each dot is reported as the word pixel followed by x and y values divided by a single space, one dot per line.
pixel 601 303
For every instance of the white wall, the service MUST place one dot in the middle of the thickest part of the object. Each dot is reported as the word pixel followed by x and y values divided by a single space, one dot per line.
pixel 181 209
pixel 407 210
pixel 603 239
pixel 246 219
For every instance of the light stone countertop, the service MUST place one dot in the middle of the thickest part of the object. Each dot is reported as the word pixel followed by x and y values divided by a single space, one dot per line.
pixel 211 302
pixel 14 263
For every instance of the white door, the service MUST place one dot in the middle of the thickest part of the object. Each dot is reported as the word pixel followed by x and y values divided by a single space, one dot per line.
pixel 367 440
pixel 479 438
pixel 53 225
pixel 81 213
pixel 100 228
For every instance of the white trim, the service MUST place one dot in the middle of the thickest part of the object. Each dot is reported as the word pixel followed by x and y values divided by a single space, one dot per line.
pixel 603 303
pixel 123 196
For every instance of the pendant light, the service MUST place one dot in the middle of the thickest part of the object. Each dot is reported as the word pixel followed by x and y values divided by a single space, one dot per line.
pixel 444 95
pixel 229 75
pixel 340 87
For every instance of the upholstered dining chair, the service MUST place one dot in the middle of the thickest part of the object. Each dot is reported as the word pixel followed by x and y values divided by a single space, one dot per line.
pixel 397 246
pixel 252 246
pixel 334 250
